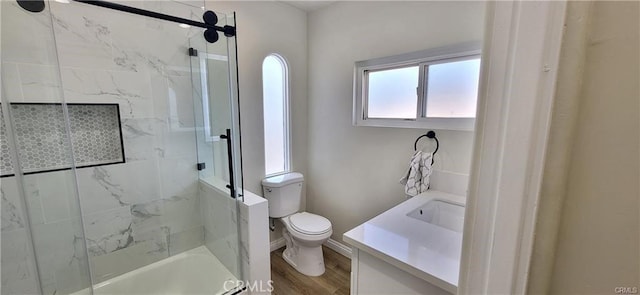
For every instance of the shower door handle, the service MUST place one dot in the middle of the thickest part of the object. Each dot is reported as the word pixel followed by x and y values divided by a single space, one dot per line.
pixel 231 186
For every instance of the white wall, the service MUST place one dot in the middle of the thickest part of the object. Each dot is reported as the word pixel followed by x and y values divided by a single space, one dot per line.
pixel 266 27
pixel 354 171
pixel 559 149
pixel 599 236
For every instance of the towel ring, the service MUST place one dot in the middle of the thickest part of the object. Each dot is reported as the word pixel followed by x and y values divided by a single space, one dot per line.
pixel 431 134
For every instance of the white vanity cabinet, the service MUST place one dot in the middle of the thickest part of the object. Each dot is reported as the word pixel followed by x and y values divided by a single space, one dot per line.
pixel 371 275
pixel 413 248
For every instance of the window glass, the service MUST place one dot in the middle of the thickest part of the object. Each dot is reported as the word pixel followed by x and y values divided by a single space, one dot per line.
pixel 452 89
pixel 435 88
pixel 392 93
pixel 274 89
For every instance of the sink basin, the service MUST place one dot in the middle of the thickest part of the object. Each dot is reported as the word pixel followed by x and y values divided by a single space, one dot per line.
pixel 441 213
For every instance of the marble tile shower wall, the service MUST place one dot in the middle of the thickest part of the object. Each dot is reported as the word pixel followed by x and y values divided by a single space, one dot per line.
pixel 135 213
pixel 220 227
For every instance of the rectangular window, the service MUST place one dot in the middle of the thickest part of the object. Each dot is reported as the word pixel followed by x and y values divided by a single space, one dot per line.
pixel 435 88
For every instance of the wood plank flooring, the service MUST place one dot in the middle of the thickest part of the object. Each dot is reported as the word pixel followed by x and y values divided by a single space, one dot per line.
pixel 335 280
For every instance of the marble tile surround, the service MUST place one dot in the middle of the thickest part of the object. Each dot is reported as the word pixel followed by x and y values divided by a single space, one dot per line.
pixel 135 213
pixel 220 226
pixel 51 206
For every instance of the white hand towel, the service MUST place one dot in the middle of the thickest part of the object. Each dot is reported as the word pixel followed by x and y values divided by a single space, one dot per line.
pixel 416 180
pixel 425 169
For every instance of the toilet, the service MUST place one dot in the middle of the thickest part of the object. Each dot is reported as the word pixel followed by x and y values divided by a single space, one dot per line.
pixel 303 232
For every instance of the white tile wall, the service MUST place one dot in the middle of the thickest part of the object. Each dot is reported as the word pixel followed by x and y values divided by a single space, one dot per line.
pixel 11 78
pixel 33 43
pixel 18 268
pixel 254 241
pixel 449 182
pixel 220 225
pixel 61 256
pixel 221 232
pixel 112 186
pixel 39 83
pixel 53 192
pixel 139 136
pixel 10 208
pixel 129 89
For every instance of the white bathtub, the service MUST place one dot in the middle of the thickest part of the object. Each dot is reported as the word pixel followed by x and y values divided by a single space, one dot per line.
pixel 195 271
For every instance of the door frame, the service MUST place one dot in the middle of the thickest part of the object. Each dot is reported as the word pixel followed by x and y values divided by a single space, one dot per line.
pixel 520 64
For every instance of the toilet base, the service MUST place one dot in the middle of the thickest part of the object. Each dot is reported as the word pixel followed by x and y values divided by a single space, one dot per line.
pixel 307 260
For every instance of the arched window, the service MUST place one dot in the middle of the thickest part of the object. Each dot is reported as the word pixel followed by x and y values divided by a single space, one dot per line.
pixel 275 92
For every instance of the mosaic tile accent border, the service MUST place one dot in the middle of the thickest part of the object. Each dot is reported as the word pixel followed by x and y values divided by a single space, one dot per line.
pixel 5 152
pixel 40 134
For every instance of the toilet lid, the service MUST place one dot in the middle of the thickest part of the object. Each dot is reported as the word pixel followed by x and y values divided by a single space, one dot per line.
pixel 310 224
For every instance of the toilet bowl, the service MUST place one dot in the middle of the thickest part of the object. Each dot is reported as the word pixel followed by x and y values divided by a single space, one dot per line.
pixel 304 232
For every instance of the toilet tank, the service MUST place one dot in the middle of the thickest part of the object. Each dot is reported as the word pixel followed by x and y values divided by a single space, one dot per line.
pixel 284 193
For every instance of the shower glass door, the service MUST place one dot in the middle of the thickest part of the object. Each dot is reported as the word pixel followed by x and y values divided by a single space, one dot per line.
pixel 43 241
pixel 124 208
pixel 211 66
pixel 215 92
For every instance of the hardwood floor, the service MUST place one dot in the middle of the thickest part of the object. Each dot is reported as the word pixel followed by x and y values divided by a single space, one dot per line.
pixel 335 280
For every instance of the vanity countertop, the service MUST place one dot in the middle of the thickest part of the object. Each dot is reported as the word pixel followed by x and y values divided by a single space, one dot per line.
pixel 424 250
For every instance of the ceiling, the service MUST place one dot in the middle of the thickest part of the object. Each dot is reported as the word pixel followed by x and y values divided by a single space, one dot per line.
pixel 309 5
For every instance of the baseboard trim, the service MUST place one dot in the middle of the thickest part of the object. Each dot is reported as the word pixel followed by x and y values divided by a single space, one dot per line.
pixel 339 247
pixel 277 244
pixel 334 245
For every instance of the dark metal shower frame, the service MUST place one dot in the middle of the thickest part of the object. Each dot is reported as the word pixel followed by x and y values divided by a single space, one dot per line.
pixel 209 17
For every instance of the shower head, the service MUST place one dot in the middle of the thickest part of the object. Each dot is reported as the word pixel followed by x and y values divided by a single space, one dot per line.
pixel 32 5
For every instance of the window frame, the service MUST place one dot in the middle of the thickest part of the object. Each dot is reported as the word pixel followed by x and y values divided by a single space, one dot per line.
pixel 422 59
pixel 286 114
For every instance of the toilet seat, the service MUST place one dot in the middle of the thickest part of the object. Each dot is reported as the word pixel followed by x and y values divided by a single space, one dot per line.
pixel 309 224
